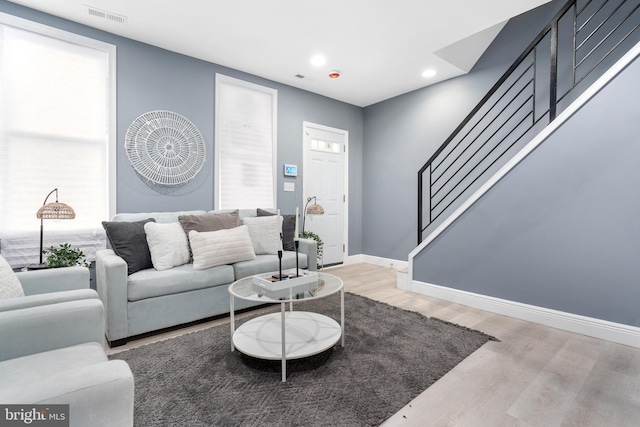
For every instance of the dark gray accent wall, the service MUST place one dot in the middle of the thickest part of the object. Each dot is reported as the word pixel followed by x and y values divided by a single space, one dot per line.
pixel 402 133
pixel 150 78
pixel 560 231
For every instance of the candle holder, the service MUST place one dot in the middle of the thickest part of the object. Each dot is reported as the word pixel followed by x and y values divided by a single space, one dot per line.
pixel 296 243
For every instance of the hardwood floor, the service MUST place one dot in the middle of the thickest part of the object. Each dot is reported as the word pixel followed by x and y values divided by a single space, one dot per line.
pixel 535 375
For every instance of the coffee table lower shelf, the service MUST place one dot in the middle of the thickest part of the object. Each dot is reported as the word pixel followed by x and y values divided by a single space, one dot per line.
pixel 306 334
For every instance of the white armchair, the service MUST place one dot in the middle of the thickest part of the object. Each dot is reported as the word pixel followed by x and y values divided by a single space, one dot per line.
pixel 52 350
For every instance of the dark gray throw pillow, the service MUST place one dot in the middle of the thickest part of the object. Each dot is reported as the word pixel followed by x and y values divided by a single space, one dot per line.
pixel 288 228
pixel 129 241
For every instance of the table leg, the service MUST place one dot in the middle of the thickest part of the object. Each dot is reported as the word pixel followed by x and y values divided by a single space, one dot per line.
pixel 284 355
pixel 342 313
pixel 232 317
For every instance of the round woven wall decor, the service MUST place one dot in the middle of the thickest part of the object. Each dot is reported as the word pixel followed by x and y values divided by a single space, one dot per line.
pixel 165 148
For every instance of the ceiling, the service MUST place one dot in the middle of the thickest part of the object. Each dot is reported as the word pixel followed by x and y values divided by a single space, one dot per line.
pixel 380 47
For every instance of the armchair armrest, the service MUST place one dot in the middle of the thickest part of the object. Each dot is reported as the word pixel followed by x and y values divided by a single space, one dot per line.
pixel 111 284
pixel 50 327
pixel 310 248
pixel 54 280
pixel 44 299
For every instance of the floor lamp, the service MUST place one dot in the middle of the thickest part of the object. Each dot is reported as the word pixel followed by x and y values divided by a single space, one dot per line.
pixel 55 210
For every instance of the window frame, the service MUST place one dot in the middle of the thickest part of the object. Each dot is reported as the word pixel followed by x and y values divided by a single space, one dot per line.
pixel 221 79
pixel 111 149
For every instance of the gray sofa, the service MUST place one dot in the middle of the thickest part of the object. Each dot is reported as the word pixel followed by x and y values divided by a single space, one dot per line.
pixel 150 300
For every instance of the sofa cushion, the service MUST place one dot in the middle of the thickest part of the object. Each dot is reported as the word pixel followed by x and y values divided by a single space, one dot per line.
pixel 129 241
pixel 10 286
pixel 39 366
pixel 265 233
pixel 268 263
pixel 288 228
pixel 244 213
pixel 152 283
pixel 211 248
pixel 210 221
pixel 160 217
pixel 168 245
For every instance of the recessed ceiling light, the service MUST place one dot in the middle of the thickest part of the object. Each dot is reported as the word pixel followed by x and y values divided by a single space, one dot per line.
pixel 318 60
pixel 429 73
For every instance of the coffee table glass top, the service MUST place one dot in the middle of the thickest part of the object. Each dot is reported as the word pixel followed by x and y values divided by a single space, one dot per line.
pixel 327 284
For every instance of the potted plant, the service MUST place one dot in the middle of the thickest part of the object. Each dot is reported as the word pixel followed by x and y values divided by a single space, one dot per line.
pixel 314 236
pixel 65 256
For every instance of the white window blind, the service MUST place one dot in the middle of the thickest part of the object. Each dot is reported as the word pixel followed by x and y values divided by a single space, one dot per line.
pixel 246 117
pixel 56 125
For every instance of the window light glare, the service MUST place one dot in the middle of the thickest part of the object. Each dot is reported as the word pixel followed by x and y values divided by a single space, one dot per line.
pixel 429 73
pixel 318 60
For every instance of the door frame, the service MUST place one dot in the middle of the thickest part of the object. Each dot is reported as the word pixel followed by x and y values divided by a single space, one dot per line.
pixel 345 180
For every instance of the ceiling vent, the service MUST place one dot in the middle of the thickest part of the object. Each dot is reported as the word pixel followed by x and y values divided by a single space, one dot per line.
pixel 120 19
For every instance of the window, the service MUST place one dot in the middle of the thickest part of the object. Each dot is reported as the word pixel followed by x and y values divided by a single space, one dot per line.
pixel 245 158
pixel 57 130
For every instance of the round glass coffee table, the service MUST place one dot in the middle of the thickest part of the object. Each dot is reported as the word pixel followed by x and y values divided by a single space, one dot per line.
pixel 288 334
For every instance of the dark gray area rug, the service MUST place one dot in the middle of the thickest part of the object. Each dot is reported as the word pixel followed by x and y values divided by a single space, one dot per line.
pixel 390 356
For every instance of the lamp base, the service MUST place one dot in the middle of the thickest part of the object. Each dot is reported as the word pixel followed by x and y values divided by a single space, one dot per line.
pixel 36 267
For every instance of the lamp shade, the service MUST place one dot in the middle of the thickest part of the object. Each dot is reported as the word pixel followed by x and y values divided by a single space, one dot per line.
pixel 56 210
pixel 315 209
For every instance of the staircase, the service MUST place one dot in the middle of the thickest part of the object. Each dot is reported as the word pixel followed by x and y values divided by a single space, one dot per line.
pixel 556 241
pixel 580 44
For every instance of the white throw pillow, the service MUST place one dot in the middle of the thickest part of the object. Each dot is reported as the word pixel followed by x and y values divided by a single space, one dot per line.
pixel 265 233
pixel 10 286
pixel 167 244
pixel 211 248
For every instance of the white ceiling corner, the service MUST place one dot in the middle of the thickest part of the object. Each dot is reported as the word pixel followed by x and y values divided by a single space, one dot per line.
pixel 380 47
pixel 464 53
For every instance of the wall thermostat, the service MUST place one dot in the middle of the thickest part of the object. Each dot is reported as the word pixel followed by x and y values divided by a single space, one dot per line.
pixel 290 170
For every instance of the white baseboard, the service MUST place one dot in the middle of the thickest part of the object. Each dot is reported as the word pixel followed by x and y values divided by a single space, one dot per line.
pixel 402 280
pixel 597 328
pixel 379 261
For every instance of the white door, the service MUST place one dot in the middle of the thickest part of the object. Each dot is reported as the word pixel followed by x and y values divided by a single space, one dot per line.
pixel 324 161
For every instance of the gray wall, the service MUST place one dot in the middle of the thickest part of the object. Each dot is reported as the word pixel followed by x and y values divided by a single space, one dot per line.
pixel 150 78
pixel 402 133
pixel 561 230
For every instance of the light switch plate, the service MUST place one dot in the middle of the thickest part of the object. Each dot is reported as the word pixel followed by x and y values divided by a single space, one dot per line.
pixel 289 186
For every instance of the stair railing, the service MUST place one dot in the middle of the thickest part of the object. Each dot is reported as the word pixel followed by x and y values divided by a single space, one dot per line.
pixel 583 39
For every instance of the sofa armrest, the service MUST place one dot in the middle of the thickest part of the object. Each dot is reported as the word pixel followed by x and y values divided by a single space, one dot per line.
pixel 54 280
pixel 111 284
pixel 97 395
pixel 310 248
pixel 44 299
pixel 49 327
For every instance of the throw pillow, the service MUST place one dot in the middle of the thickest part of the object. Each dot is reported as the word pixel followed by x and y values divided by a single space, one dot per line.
pixel 212 248
pixel 129 241
pixel 10 286
pixel 211 221
pixel 167 244
pixel 265 233
pixel 288 229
